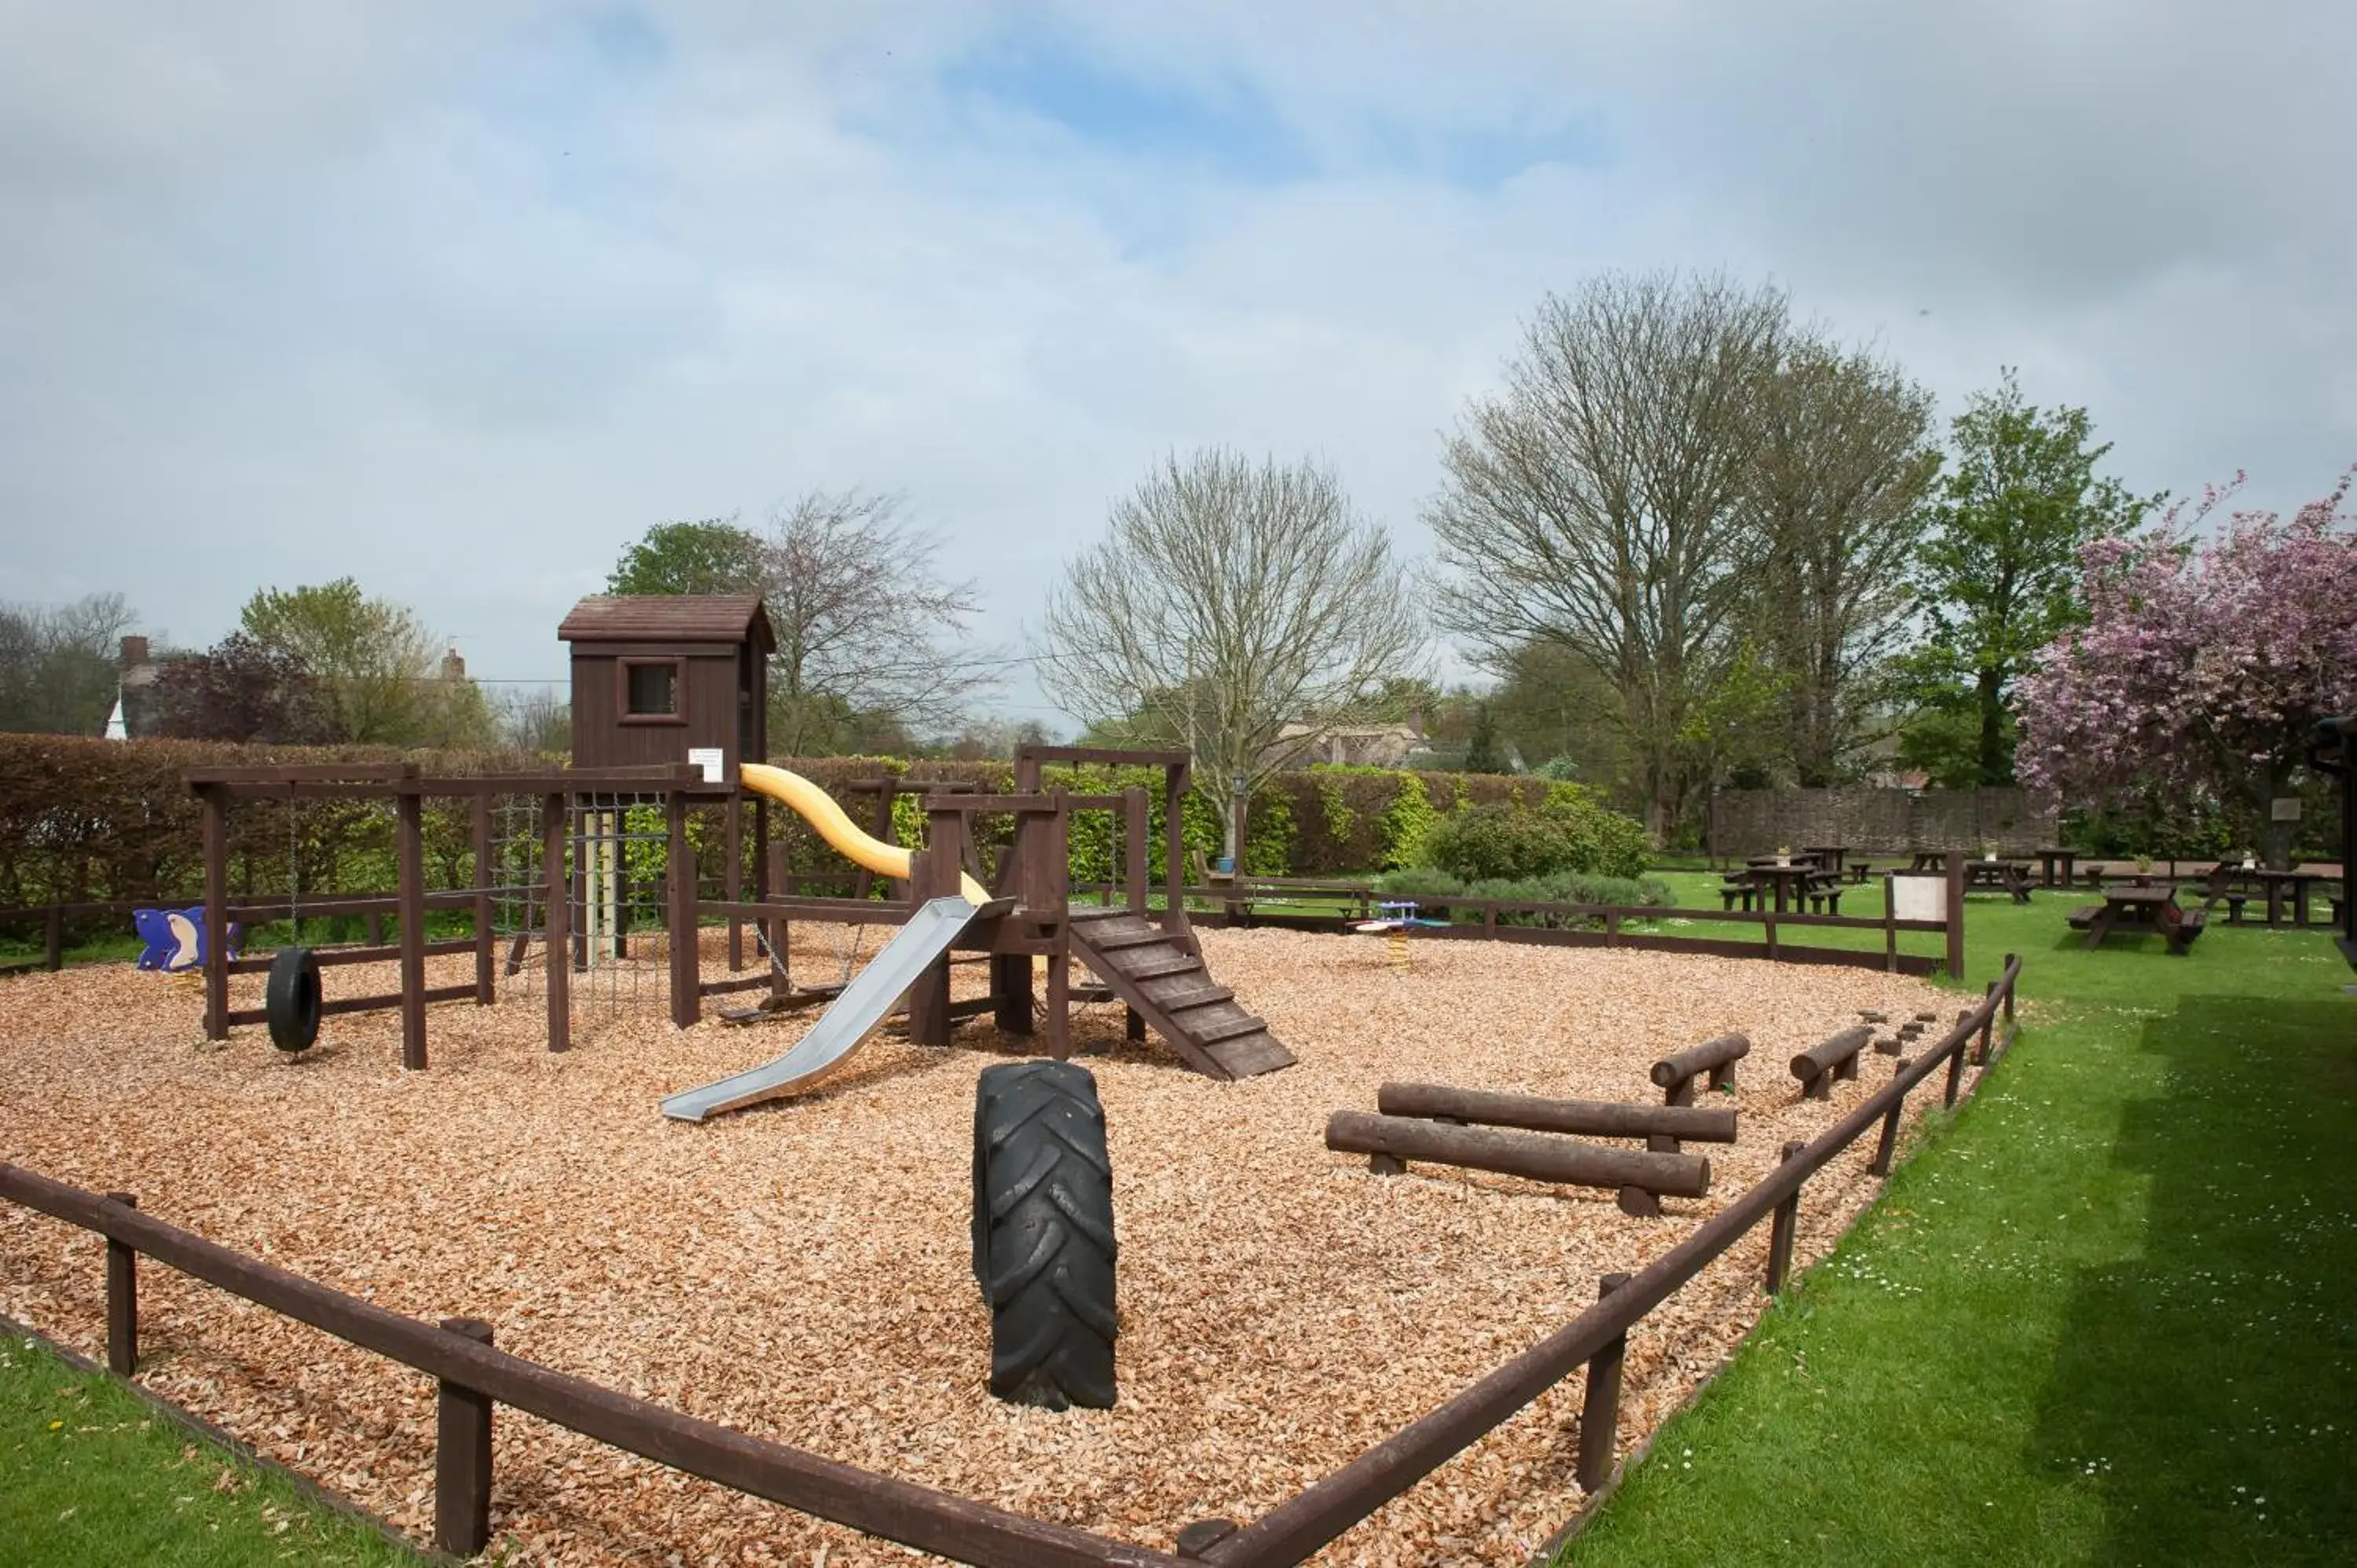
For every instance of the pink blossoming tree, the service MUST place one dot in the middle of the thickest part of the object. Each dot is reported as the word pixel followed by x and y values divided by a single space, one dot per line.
pixel 2205 664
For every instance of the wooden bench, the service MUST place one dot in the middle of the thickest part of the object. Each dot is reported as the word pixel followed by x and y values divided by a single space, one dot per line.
pixel 1729 891
pixel 2084 916
pixel 2188 927
pixel 1825 900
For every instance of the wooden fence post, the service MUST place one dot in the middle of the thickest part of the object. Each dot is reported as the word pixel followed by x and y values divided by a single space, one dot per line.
pixel 1957 1060
pixel 2006 968
pixel 1955 914
pixel 1889 1146
pixel 409 877
pixel 486 992
pixel 733 879
pixel 53 939
pixel 1989 1026
pixel 558 937
pixel 687 969
pixel 462 1456
pixel 216 831
pixel 1600 1411
pixel 1783 1226
pixel 778 934
pixel 1890 923
pixel 122 1299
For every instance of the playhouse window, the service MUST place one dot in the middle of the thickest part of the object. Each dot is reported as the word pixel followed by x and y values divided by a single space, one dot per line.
pixel 650 689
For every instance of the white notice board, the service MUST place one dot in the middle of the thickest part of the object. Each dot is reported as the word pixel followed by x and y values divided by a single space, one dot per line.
pixel 708 759
pixel 1918 897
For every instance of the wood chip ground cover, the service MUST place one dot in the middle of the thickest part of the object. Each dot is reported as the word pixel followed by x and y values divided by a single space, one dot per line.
pixel 799 1271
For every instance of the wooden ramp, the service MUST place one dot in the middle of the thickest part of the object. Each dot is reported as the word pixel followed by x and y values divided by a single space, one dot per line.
pixel 1163 978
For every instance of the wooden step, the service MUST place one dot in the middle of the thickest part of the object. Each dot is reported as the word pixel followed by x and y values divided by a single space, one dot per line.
pixel 1150 967
pixel 1114 941
pixel 1248 1056
pixel 1180 1001
pixel 1212 1031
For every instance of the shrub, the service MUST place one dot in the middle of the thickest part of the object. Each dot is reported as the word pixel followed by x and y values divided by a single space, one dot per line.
pixel 1564 887
pixel 1570 832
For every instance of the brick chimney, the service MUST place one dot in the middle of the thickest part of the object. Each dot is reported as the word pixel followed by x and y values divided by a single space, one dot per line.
pixel 133 654
pixel 453 666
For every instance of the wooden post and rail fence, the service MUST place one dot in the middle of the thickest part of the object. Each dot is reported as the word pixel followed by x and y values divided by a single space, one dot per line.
pixel 474 1377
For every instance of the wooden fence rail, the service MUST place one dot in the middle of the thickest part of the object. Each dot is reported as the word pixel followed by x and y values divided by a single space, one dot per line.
pixel 476 1375
pixel 1256 903
pixel 1296 1528
pixel 473 1376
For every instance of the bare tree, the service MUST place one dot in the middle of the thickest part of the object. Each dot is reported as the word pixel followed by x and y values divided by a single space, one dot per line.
pixel 1598 503
pixel 537 718
pixel 57 672
pixel 864 626
pixel 1242 611
pixel 1836 489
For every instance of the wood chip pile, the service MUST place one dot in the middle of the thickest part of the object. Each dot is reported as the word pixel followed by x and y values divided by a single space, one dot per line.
pixel 800 1271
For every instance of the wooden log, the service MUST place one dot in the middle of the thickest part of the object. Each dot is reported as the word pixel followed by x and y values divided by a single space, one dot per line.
pixel 1593 1118
pixel 1820 1066
pixel 1675 1075
pixel 1538 1155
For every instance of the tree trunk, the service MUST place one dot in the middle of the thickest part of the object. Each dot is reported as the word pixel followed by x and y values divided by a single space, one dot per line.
pixel 1993 769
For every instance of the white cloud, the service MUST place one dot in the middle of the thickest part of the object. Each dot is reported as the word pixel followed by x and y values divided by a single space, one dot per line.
pixel 460 299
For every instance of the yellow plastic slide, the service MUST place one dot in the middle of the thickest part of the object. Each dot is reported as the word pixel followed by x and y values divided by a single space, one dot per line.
pixel 818 807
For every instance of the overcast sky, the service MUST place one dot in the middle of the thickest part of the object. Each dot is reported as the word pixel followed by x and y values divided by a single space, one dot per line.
pixel 459 297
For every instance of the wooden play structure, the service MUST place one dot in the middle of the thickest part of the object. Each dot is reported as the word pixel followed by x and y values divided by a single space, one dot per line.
pixel 669 725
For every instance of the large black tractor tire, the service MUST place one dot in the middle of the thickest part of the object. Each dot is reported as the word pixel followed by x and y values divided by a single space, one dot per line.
pixel 290 998
pixel 1043 1234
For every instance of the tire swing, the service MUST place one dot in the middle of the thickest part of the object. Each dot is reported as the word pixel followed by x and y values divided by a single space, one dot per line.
pixel 290 998
pixel 1043 1234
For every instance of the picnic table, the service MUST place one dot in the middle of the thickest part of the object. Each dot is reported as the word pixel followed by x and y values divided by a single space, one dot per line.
pixel 1788 883
pixel 2142 910
pixel 2048 859
pixel 2000 875
pixel 1829 856
pixel 2278 883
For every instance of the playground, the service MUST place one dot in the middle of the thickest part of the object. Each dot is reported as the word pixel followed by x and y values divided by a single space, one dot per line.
pixel 800 1269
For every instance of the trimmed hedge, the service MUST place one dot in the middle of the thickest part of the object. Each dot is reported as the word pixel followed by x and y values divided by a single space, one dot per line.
pixel 91 820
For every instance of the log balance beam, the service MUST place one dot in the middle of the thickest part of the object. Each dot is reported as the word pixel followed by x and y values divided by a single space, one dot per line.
pixel 1822 1066
pixel 1675 1075
pixel 1391 1141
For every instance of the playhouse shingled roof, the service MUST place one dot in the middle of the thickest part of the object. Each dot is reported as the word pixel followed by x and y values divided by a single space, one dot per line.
pixel 669 618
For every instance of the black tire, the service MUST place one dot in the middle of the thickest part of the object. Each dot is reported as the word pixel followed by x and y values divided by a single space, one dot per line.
pixel 290 1001
pixel 1043 1234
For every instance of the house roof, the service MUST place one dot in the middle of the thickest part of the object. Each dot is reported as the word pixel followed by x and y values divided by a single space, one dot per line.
pixel 669 618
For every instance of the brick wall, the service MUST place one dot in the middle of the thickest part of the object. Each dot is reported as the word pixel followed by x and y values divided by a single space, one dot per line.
pixel 1890 822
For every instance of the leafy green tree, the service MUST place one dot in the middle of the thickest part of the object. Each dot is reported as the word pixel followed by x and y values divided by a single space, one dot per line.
pixel 1483 754
pixel 1997 578
pixel 373 665
pixel 714 556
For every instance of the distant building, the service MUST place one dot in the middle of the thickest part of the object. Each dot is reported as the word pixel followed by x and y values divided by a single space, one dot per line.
pixel 1355 746
pixel 139 704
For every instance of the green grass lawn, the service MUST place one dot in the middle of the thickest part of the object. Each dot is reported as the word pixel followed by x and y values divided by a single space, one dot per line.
pixel 90 1475
pixel 2104 1316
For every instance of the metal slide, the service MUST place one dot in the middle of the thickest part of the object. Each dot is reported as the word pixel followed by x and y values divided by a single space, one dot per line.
pixel 844 1026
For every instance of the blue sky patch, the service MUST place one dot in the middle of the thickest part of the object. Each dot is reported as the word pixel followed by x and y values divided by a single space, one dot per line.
pixel 1233 131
